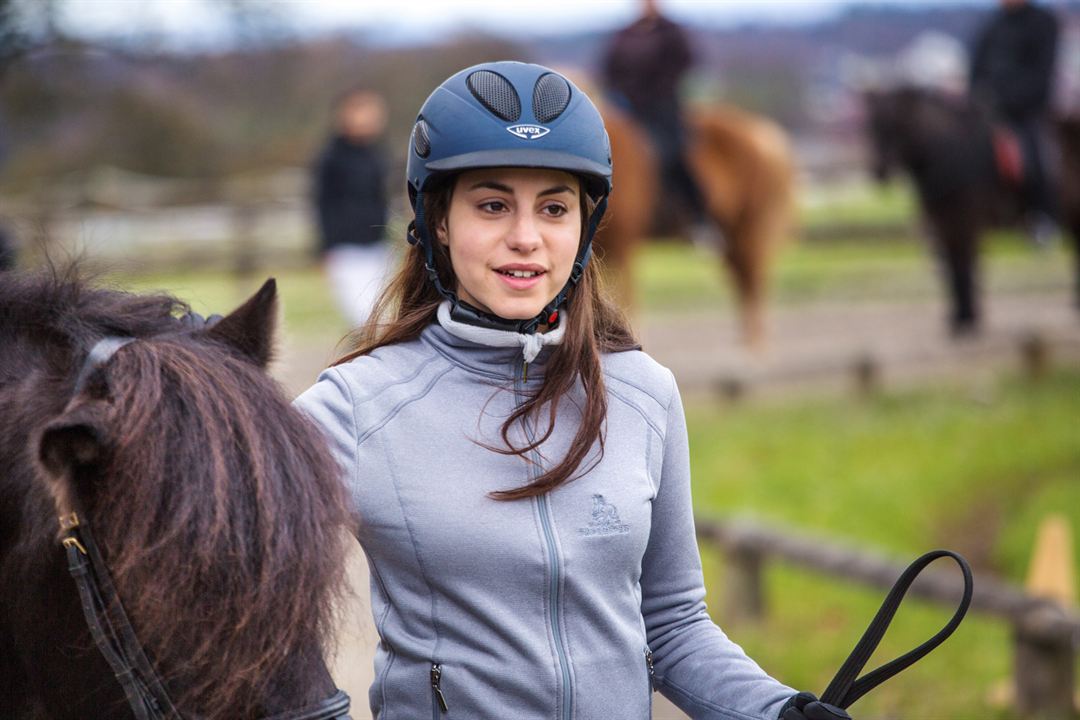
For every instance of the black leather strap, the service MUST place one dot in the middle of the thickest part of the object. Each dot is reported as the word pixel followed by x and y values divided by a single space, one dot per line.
pixel 115 638
pixel 845 689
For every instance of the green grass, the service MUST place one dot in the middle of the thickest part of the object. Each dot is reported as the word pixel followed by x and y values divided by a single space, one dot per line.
pixel 674 277
pixel 902 474
pixel 308 309
pixel 860 203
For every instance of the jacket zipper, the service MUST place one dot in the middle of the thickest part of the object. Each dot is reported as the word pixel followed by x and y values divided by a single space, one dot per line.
pixel 438 699
pixel 556 572
pixel 652 670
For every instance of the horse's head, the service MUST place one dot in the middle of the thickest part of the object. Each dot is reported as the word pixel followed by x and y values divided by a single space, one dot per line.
pixel 215 503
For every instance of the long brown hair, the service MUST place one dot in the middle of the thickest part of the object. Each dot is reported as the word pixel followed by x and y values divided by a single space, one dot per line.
pixel 594 325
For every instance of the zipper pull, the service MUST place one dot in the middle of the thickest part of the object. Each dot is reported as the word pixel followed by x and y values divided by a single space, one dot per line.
pixel 525 372
pixel 436 678
pixel 652 671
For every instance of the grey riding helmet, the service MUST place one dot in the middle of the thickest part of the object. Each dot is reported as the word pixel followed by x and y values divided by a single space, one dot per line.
pixel 508 114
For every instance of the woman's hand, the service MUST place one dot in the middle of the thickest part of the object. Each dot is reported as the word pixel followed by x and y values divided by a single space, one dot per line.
pixel 806 706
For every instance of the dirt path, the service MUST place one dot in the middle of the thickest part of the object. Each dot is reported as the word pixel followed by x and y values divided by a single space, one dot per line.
pixel 814 348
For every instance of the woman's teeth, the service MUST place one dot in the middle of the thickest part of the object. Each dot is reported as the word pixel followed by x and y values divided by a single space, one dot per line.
pixel 520 273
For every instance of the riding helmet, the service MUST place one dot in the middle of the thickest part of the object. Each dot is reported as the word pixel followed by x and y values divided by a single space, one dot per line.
pixel 508 114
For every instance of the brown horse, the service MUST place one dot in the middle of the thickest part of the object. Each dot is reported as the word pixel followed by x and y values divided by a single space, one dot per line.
pixel 216 507
pixel 744 165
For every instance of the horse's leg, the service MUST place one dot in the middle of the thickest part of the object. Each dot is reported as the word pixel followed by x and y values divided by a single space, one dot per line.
pixel 956 236
pixel 745 255
pixel 1074 231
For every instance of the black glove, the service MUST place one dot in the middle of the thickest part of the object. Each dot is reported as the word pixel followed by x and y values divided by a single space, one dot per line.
pixel 806 706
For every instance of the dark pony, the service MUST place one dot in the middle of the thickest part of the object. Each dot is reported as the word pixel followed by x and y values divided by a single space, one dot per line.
pixel 946 145
pixel 216 506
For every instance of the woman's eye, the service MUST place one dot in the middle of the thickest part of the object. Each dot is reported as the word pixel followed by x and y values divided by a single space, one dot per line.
pixel 554 210
pixel 493 206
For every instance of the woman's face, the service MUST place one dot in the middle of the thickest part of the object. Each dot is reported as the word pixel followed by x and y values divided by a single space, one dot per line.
pixel 513 235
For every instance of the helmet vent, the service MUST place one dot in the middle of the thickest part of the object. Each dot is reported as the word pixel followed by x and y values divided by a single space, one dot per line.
pixel 550 97
pixel 495 93
pixel 421 142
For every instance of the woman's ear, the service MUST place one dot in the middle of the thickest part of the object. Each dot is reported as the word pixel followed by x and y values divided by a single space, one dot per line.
pixel 442 234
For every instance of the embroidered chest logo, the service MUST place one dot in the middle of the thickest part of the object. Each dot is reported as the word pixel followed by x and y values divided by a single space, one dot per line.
pixel 604 520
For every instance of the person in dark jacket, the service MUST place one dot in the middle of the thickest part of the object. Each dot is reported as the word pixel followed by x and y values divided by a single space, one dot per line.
pixel 1012 72
pixel 642 70
pixel 350 199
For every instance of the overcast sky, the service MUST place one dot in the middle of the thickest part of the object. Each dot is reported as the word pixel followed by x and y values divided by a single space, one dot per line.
pixel 204 22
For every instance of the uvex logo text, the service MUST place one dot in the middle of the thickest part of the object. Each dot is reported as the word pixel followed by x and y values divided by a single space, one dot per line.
pixel 528 132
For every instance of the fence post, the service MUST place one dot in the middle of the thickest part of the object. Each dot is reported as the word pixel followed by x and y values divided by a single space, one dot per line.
pixel 744 592
pixel 1035 351
pixel 1045 668
pixel 867 371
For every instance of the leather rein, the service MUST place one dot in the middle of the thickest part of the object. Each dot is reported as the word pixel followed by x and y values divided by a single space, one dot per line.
pixel 108 622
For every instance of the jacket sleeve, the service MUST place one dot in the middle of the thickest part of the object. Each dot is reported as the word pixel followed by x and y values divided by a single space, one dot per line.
pixel 697 667
pixel 329 404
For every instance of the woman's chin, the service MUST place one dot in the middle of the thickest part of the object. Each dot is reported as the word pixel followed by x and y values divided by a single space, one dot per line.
pixel 516 310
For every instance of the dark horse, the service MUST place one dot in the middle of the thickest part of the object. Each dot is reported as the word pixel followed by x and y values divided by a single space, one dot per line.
pixel 946 145
pixel 215 505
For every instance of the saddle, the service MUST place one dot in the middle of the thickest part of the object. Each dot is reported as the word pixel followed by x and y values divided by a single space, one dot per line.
pixel 1008 156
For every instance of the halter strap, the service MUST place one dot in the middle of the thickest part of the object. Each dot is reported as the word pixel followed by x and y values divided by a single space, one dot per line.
pixel 98 356
pixel 845 689
pixel 116 641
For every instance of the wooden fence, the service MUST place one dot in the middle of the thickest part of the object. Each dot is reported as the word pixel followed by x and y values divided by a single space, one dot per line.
pixel 1045 635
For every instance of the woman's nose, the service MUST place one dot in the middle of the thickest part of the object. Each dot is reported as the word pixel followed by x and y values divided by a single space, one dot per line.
pixel 524 234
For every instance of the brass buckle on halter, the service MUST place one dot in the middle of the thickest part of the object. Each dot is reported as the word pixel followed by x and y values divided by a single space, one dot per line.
pixel 67 523
pixel 72 541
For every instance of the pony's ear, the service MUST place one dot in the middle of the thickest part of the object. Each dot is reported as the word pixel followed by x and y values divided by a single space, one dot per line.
pixel 72 440
pixel 250 327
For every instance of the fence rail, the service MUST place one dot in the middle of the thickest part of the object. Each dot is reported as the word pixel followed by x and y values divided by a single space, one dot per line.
pixel 1045 635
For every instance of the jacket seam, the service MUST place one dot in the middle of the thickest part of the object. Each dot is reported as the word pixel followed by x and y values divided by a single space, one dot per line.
pixel 644 416
pixel 391 466
pixel 380 624
pixel 394 383
pixel 352 416
pixel 643 390
pixel 397 408
pixel 726 712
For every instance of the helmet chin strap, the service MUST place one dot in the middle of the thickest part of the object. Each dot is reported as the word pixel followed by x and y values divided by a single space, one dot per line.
pixel 462 311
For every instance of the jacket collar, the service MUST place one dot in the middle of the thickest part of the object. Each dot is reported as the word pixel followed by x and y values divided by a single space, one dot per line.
pixel 499 353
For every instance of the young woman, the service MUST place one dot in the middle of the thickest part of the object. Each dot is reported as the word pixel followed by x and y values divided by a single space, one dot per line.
pixel 520 467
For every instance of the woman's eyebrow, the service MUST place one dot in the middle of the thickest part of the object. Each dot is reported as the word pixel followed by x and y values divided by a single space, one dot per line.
pixel 492 185
pixel 559 189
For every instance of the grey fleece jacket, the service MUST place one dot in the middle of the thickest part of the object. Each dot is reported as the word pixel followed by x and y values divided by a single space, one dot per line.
pixel 553 607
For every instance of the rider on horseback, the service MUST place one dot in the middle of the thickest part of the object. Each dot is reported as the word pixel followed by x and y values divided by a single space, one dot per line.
pixel 642 70
pixel 1012 69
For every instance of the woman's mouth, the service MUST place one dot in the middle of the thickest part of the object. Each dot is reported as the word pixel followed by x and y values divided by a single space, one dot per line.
pixel 520 278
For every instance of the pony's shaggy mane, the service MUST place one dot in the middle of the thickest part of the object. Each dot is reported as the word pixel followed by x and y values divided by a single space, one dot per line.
pixel 216 504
